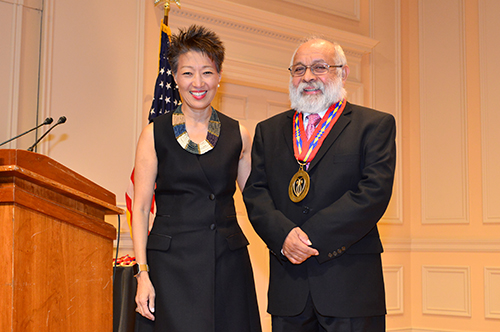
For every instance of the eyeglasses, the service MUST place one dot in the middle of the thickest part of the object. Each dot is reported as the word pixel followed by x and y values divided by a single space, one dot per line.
pixel 316 69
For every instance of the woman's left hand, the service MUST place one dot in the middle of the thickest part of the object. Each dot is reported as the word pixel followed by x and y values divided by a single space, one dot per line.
pixel 145 297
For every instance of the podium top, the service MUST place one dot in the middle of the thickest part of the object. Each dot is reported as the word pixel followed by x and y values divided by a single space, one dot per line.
pixel 48 173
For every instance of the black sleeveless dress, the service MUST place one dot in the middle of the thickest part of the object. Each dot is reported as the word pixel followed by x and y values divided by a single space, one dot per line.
pixel 197 253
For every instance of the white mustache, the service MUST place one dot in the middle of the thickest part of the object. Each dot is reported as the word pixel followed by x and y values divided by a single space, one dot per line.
pixel 315 85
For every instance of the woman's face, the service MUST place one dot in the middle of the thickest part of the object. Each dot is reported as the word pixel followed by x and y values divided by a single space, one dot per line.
pixel 197 79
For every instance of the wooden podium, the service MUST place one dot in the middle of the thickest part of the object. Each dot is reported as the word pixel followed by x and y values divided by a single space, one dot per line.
pixel 56 248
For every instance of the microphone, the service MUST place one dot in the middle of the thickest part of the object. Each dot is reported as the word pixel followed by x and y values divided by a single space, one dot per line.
pixel 46 122
pixel 62 119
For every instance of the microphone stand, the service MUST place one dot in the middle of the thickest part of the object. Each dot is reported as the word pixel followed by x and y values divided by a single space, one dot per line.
pixel 62 119
pixel 46 122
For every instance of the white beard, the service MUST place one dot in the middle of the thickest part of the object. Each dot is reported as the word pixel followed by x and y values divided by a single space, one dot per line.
pixel 331 92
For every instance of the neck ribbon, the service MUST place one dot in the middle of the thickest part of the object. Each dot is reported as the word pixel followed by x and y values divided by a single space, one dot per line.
pixel 305 150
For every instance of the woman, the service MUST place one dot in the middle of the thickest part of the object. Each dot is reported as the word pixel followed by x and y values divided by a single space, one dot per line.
pixel 200 277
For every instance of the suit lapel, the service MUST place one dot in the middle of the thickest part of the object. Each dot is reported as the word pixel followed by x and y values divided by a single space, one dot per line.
pixel 337 129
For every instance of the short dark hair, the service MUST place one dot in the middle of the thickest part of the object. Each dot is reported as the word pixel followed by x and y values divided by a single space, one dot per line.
pixel 196 38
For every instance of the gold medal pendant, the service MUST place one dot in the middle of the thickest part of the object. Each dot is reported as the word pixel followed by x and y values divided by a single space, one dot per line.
pixel 299 185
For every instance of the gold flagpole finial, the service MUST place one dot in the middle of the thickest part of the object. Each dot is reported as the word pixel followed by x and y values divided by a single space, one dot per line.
pixel 167 5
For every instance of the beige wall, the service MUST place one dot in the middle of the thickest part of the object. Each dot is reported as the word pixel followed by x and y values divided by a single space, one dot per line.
pixel 448 97
pixel 432 64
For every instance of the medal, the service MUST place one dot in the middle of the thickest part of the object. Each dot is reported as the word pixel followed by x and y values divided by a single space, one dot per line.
pixel 299 185
pixel 305 149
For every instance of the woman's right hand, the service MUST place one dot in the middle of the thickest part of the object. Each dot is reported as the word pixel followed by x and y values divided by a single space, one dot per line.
pixel 145 297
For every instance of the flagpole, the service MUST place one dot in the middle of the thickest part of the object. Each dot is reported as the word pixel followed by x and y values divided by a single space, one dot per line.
pixel 167 8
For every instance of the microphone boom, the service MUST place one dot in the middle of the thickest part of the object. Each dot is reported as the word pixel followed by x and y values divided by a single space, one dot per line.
pixel 62 119
pixel 46 122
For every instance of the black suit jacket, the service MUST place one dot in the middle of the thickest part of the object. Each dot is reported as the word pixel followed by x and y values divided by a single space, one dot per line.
pixel 351 184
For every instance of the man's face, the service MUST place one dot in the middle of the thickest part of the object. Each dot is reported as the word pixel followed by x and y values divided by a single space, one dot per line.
pixel 314 93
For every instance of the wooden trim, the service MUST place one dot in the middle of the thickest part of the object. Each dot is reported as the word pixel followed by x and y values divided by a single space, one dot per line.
pixel 48 173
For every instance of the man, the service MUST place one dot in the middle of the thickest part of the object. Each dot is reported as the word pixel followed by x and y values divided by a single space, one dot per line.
pixel 316 202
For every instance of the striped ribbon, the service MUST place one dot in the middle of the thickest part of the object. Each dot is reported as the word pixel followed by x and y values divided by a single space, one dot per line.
pixel 312 145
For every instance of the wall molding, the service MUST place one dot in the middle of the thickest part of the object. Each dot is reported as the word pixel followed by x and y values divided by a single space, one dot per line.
pixel 386 85
pixel 453 285
pixel 238 105
pixel 402 245
pixel 243 72
pixel 423 330
pixel 249 31
pixel 13 103
pixel 248 20
pixel 352 13
pixel 33 4
pixel 19 52
pixel 46 62
pixel 445 189
pixel 395 274
pixel 489 108
pixel 440 245
pixel 491 291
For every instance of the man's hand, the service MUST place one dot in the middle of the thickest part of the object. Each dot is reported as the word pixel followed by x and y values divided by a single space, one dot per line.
pixel 297 246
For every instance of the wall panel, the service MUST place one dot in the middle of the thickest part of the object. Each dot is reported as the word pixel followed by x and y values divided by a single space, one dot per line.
pixel 20 23
pixel 446 290
pixel 234 104
pixel 492 291
pixel 489 35
pixel 386 87
pixel 7 69
pixel 394 289
pixel 443 112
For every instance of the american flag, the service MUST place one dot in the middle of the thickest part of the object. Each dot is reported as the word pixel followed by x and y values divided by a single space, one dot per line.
pixel 166 98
